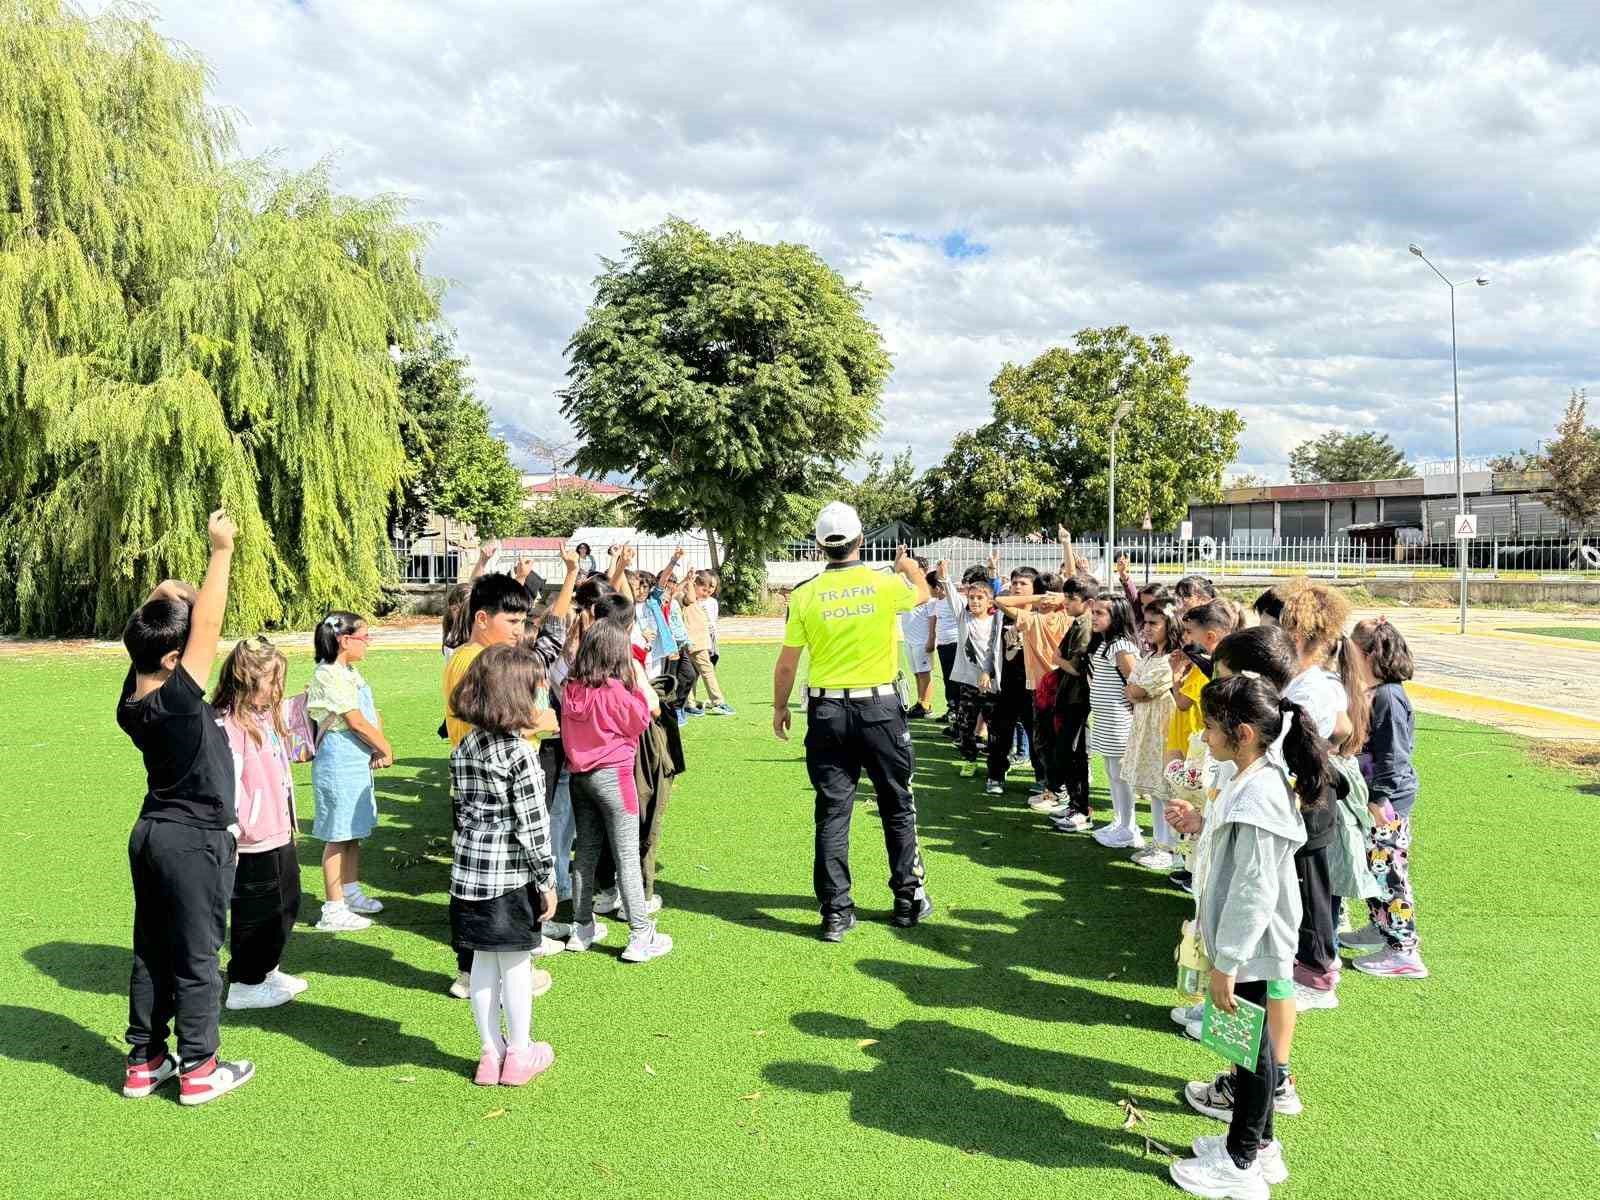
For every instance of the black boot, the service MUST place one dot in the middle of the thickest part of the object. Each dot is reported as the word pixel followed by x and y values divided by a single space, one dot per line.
pixel 909 910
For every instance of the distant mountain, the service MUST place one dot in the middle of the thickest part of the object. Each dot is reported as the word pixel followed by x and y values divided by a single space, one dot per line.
pixel 518 437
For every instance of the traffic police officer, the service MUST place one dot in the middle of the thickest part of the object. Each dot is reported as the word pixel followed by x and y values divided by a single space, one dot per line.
pixel 848 617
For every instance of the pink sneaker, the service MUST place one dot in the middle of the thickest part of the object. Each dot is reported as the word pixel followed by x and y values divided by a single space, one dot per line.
pixel 1393 964
pixel 523 1065
pixel 488 1069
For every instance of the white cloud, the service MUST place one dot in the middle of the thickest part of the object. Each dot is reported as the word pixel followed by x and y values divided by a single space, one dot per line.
pixel 1242 176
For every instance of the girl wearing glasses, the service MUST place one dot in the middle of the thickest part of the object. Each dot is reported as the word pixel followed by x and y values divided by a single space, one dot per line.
pixel 350 744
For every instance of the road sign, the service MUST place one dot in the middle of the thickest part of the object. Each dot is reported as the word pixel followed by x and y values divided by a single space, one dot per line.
pixel 1466 525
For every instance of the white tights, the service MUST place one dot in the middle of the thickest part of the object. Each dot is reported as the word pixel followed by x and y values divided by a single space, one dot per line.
pixel 503 977
pixel 1122 802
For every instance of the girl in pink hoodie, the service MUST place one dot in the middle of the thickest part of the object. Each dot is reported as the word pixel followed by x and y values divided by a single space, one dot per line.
pixel 266 888
pixel 606 705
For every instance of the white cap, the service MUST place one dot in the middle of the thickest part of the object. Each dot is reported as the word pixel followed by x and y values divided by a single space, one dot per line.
pixel 837 524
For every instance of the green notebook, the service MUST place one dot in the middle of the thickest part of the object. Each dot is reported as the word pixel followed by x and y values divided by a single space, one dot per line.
pixel 1236 1036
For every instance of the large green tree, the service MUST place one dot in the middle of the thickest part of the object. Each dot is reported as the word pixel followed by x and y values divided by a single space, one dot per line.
pixel 567 509
pixel 1338 457
pixel 1044 457
pixel 178 329
pixel 723 375
pixel 454 465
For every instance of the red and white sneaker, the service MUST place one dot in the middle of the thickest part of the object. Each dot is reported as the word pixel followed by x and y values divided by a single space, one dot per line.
pixel 213 1078
pixel 144 1078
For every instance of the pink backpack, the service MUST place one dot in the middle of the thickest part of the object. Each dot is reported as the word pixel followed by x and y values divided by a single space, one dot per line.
pixel 304 736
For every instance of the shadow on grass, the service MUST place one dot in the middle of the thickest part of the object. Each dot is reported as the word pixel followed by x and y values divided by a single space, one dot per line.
pixel 352 1038
pixel 36 1036
pixel 921 1086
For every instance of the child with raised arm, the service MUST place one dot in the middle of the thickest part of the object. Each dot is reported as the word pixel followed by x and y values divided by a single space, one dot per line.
pixel 183 850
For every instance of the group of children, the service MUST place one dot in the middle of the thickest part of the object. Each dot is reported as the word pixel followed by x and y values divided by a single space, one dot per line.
pixel 563 723
pixel 1276 762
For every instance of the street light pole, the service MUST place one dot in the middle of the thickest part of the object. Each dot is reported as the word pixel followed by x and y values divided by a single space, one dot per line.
pixel 1111 491
pixel 1455 391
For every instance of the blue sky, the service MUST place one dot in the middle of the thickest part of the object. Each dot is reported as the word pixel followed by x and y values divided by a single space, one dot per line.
pixel 1242 176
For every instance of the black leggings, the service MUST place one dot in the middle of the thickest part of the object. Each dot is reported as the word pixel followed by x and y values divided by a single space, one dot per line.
pixel 952 689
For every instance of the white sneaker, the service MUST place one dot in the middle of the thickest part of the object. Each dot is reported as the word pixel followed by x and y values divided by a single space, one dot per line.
pixel 584 936
pixel 653 906
pixel 1156 858
pixel 642 947
pixel 548 946
pixel 359 901
pixel 462 987
pixel 1072 823
pixel 562 930
pixel 994 788
pixel 256 995
pixel 1219 1179
pixel 608 901
pixel 1273 1167
pixel 1114 837
pixel 1194 1029
pixel 339 919
pixel 543 981
pixel 292 984
pixel 1183 1015
pixel 1306 999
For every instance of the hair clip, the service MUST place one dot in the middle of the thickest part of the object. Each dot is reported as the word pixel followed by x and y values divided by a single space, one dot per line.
pixel 1250 674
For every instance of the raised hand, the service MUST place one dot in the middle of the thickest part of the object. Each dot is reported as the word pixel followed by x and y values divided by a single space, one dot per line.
pixel 222 530
pixel 569 560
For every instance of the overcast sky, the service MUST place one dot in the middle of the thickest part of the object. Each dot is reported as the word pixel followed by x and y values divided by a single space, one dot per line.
pixel 1242 176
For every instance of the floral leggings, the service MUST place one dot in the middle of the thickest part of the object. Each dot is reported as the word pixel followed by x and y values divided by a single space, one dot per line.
pixel 1389 856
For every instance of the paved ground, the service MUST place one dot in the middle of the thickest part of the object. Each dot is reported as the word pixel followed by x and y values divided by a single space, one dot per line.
pixel 1520 682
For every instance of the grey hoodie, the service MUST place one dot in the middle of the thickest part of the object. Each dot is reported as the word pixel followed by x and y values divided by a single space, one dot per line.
pixel 1249 898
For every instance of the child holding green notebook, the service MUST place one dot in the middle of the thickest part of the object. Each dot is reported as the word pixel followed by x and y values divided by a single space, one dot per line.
pixel 1250 914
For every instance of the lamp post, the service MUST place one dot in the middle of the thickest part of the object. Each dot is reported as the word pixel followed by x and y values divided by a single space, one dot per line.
pixel 1123 408
pixel 1455 390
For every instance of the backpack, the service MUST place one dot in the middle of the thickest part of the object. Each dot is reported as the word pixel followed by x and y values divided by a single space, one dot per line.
pixel 304 736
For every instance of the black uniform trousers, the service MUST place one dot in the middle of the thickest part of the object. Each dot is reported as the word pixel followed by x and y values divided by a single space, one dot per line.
pixel 843 738
pixel 182 886
pixel 1069 766
pixel 1253 1087
pixel 266 904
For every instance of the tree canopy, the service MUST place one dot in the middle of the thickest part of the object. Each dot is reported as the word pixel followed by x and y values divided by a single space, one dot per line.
pixel 1573 460
pixel 722 375
pixel 1338 457
pixel 179 330
pixel 1044 456
pixel 454 465
pixel 563 511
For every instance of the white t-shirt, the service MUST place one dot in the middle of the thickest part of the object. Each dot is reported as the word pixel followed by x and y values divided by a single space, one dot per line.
pixel 914 624
pixel 949 617
pixel 1320 693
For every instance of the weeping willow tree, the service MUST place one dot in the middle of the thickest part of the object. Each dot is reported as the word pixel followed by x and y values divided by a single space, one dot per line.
pixel 178 329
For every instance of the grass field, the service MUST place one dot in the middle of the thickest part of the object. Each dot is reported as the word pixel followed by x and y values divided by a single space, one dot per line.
pixel 983 1054
pixel 1576 633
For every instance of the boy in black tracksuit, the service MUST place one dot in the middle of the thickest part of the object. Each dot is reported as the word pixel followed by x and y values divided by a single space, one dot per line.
pixel 183 848
pixel 1069 766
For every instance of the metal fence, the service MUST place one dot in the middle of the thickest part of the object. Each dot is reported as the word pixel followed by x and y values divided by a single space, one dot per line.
pixel 1332 558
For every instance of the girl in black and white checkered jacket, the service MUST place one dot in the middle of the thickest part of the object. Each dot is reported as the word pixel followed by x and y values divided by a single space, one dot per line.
pixel 502 880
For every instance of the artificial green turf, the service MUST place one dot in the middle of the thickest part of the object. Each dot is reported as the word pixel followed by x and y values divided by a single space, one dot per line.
pixel 981 1055
pixel 1576 633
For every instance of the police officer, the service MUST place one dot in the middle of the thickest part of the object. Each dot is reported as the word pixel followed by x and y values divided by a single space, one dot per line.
pixel 849 618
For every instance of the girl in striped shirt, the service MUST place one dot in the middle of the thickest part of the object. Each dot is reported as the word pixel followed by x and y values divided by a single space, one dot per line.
pixel 1113 653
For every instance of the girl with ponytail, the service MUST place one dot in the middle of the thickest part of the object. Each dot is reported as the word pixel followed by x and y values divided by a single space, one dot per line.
pixel 1249 912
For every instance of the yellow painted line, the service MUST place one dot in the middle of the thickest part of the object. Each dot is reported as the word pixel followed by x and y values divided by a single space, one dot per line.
pixel 1488 708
